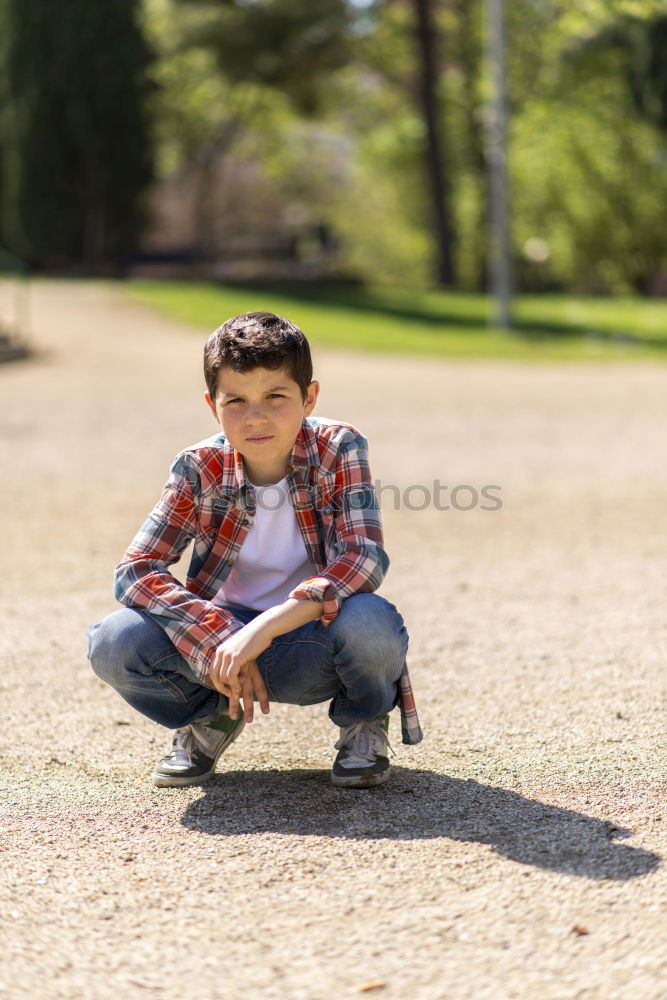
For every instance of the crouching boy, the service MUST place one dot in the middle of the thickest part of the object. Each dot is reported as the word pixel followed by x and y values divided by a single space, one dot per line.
pixel 279 602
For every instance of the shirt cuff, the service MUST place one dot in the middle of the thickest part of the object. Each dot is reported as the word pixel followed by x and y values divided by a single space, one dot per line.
pixel 318 588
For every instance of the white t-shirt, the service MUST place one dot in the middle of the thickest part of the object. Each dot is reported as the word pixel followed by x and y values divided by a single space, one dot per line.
pixel 272 560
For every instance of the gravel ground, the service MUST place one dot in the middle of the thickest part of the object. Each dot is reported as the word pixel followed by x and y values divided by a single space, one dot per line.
pixel 516 853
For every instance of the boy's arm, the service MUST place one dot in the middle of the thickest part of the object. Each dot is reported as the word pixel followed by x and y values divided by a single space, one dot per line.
pixel 195 626
pixel 361 561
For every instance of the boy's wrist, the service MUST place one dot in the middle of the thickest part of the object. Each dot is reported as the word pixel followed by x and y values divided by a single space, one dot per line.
pixel 289 615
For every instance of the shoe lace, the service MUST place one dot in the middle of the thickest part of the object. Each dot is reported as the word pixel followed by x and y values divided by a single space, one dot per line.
pixel 182 741
pixel 364 740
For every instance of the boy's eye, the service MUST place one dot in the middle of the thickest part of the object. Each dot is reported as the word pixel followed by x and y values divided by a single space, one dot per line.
pixel 272 395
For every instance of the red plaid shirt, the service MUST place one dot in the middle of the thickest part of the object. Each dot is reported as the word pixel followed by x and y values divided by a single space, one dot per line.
pixel 208 498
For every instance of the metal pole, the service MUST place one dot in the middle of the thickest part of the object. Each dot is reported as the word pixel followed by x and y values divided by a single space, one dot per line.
pixel 499 239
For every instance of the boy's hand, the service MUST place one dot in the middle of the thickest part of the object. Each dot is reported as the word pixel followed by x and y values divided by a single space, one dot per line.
pixel 234 653
pixel 251 684
pixel 235 672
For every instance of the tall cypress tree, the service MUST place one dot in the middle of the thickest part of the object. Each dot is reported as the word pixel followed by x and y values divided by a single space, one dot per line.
pixel 75 146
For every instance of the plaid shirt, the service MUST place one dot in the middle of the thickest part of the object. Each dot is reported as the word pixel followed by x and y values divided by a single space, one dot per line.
pixel 208 498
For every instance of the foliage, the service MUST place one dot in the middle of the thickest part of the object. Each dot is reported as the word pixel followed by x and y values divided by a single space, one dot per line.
pixel 288 45
pixel 587 163
pixel 316 101
pixel 589 175
pixel 642 66
pixel 202 119
pixel 75 150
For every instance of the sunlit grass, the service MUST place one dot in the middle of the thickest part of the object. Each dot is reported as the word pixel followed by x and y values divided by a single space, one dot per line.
pixel 445 324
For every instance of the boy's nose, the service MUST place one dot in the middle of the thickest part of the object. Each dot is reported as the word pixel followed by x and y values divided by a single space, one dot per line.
pixel 255 415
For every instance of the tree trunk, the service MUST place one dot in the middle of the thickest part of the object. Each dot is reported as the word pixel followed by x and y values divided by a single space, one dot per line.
pixel 473 156
pixel 435 160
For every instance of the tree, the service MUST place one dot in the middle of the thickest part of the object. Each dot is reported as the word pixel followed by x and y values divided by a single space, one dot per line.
pixel 296 46
pixel 427 45
pixel 643 47
pixel 289 45
pixel 75 144
pixel 348 146
pixel 200 117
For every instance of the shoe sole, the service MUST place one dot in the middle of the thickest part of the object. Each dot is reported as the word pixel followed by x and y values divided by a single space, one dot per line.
pixel 167 781
pixel 360 780
pixel 164 781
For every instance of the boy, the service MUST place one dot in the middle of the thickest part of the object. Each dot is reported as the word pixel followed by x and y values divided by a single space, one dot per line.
pixel 275 497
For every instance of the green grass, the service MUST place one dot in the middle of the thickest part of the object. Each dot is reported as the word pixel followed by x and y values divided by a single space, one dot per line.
pixel 443 324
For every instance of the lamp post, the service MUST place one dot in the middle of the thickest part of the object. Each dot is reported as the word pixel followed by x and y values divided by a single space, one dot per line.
pixel 500 267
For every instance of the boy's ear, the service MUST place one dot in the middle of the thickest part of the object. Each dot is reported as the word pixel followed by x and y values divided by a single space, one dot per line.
pixel 312 393
pixel 211 404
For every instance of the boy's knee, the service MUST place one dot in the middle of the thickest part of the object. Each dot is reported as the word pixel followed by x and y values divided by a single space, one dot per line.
pixel 115 641
pixel 374 630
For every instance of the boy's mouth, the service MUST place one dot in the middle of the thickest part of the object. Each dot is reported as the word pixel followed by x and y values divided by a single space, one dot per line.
pixel 260 438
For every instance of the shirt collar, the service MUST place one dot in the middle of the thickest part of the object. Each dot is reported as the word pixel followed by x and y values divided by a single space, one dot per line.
pixel 305 451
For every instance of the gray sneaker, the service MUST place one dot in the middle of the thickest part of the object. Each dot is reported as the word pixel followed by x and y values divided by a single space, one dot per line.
pixel 362 760
pixel 195 750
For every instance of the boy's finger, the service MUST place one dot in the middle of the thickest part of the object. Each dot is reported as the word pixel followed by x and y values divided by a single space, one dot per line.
pixel 232 680
pixel 248 699
pixel 260 691
pixel 212 680
pixel 233 668
pixel 234 705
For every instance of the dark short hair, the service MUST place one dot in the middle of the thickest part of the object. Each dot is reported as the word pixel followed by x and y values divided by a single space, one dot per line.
pixel 258 340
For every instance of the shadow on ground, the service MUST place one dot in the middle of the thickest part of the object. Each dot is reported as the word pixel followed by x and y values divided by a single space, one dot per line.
pixel 418 805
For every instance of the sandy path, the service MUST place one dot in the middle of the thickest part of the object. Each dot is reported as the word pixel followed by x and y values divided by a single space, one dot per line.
pixel 517 853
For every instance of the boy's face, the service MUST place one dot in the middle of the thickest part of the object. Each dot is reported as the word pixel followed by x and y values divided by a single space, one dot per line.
pixel 260 412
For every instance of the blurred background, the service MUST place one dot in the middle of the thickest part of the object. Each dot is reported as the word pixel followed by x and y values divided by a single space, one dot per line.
pixel 345 150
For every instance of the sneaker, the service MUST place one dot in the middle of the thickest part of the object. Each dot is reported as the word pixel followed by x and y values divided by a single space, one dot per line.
pixel 362 761
pixel 195 750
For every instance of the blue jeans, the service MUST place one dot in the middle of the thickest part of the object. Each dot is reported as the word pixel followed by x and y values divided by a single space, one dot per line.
pixel 355 662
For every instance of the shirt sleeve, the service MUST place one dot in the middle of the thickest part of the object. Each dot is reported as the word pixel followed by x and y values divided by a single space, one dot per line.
pixel 195 626
pixel 359 561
